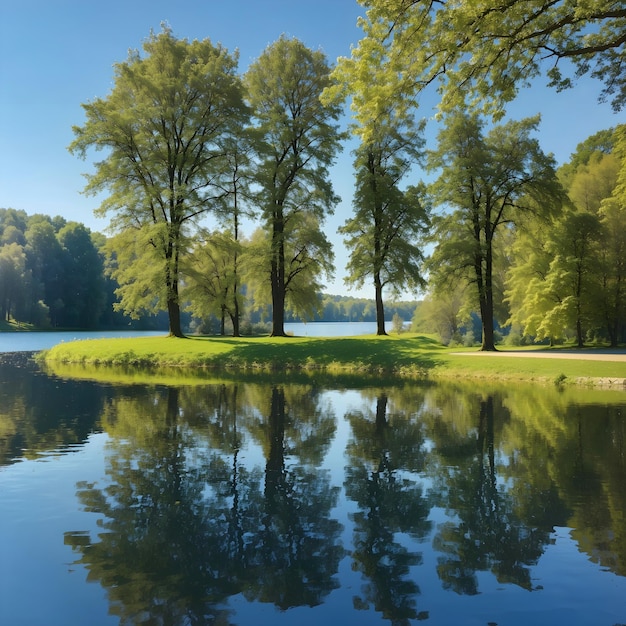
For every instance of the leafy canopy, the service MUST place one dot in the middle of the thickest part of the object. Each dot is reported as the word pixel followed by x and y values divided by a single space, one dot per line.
pixel 481 52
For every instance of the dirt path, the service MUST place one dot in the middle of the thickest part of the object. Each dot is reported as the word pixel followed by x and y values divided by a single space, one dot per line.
pixel 584 355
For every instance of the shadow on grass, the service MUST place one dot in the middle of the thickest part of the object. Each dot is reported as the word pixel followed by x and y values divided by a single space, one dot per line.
pixel 363 354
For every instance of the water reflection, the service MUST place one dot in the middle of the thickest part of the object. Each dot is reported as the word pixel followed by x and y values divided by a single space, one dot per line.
pixel 39 413
pixel 219 497
pixel 385 456
pixel 186 525
pixel 492 527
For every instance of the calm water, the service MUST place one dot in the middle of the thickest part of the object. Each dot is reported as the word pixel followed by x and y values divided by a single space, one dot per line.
pixel 251 503
pixel 29 341
pixel 33 341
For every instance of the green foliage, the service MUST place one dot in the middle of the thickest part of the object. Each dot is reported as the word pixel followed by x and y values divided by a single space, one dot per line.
pixel 566 279
pixel 162 126
pixel 13 273
pixel 488 182
pixel 460 47
pixel 211 285
pixel 397 323
pixel 297 139
pixel 308 256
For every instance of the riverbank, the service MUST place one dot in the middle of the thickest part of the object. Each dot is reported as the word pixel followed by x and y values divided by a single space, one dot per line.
pixel 401 357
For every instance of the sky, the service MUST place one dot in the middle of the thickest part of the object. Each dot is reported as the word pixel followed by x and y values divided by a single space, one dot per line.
pixel 57 54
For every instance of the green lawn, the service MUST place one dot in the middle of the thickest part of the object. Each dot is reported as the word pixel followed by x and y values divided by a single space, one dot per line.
pixel 406 356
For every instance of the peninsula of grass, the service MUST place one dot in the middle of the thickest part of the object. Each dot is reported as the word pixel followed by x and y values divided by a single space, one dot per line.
pixel 400 357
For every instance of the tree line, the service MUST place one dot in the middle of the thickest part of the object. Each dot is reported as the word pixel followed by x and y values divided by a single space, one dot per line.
pixel 55 274
pixel 193 150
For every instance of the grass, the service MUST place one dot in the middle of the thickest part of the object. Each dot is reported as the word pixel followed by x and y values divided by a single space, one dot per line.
pixel 13 326
pixel 405 356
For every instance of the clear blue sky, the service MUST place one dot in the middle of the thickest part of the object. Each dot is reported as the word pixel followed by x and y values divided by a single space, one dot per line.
pixel 56 54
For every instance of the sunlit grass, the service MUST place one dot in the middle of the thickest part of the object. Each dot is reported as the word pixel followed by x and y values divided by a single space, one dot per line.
pixel 404 356
pixel 14 326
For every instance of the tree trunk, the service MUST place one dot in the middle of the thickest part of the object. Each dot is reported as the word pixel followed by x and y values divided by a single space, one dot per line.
pixel 234 318
pixel 278 275
pixel 486 298
pixel 173 311
pixel 278 310
pixel 171 282
pixel 380 309
pixel 579 333
pixel 486 314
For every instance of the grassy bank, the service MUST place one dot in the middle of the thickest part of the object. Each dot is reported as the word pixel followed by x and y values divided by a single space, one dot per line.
pixel 405 356
pixel 13 326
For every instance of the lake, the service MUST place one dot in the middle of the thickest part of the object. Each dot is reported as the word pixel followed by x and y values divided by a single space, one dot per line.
pixel 33 341
pixel 251 501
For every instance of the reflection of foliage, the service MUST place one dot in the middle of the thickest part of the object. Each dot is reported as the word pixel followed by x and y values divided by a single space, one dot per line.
pixel 580 448
pixel 296 553
pixel 492 531
pixel 38 413
pixel 382 452
pixel 589 466
pixel 187 524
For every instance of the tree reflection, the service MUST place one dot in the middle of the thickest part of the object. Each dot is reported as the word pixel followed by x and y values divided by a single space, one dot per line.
pixel 39 413
pixel 490 531
pixel 297 550
pixel 597 489
pixel 186 524
pixel 576 450
pixel 383 453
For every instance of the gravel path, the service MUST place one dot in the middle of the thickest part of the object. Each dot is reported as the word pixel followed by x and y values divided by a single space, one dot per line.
pixel 584 355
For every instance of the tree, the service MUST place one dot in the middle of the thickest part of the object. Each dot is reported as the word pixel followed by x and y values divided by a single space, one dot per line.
pixel 479 52
pixel 45 260
pixel 162 125
pixel 613 217
pixel 488 182
pixel 566 276
pixel 212 279
pixel 566 297
pixel 307 255
pixel 386 225
pixel 297 141
pixel 235 205
pixel 13 275
pixel 83 277
pixel 441 313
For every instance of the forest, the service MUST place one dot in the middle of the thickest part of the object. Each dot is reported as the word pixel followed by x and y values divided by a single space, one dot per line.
pixel 192 149
pixel 53 275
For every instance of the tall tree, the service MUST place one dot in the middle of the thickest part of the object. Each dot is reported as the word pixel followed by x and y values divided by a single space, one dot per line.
pixel 45 260
pixel 613 218
pixel 388 221
pixel 479 52
pixel 488 182
pixel 83 277
pixel 387 224
pixel 236 205
pixel 13 278
pixel 566 277
pixel 162 126
pixel 297 142
pixel 559 283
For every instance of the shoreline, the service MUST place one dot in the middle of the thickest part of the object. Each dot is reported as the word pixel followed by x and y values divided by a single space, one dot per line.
pixel 400 358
